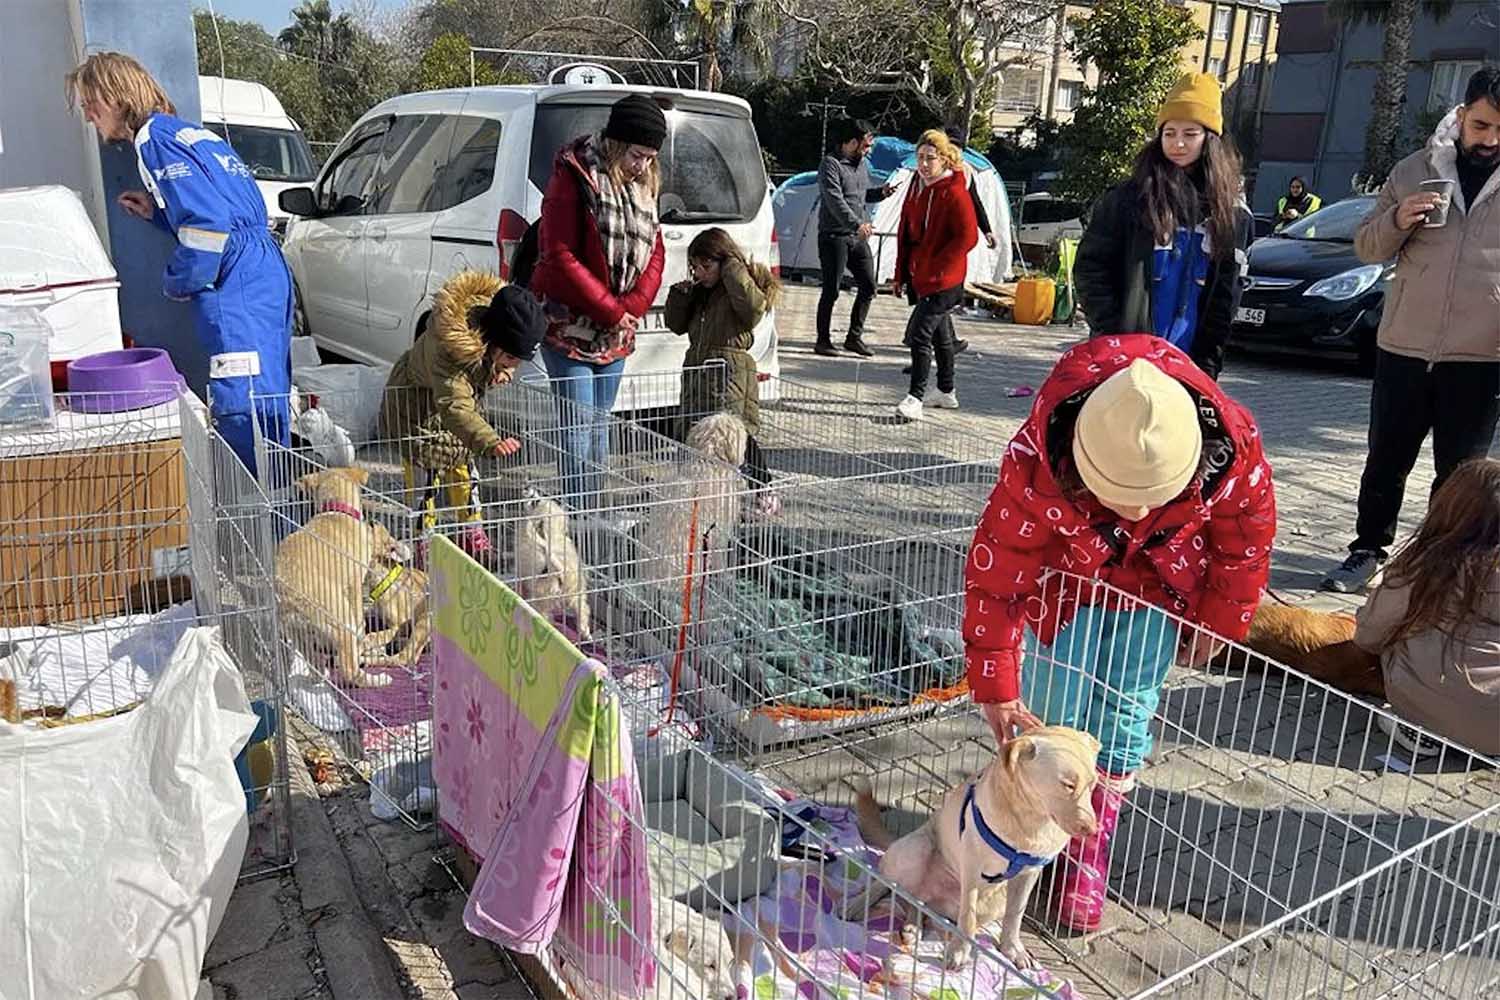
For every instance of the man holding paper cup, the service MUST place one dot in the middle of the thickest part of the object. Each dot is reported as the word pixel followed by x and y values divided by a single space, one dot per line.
pixel 1438 363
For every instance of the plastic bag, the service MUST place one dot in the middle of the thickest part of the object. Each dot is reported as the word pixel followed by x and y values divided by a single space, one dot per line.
pixel 120 839
pixel 25 368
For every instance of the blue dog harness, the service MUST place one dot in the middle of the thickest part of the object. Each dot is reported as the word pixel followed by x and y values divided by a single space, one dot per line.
pixel 1019 860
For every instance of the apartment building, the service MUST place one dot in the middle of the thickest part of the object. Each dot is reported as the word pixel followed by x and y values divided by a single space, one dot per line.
pixel 1238 46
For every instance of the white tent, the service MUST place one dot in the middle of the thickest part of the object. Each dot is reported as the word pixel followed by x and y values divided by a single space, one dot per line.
pixel 893 160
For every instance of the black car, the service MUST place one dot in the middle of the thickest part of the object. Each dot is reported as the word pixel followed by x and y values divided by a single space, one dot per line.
pixel 1306 291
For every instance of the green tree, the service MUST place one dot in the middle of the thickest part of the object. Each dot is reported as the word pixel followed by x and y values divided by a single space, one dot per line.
pixel 1398 18
pixel 746 26
pixel 1136 47
pixel 317 34
pixel 324 96
pixel 446 64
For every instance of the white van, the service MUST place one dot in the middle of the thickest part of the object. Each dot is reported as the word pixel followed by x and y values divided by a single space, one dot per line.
pixel 426 185
pixel 251 119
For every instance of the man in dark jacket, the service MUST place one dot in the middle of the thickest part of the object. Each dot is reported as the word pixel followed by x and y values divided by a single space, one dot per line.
pixel 844 233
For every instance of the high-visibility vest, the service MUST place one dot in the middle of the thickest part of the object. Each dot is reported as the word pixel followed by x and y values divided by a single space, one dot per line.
pixel 1313 204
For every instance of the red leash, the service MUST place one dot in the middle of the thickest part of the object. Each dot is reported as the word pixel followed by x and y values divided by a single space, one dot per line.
pixel 686 623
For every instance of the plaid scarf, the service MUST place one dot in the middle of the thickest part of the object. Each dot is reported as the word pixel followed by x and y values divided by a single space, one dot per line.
pixel 627 225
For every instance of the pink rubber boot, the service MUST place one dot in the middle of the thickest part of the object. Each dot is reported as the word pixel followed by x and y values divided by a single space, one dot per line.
pixel 1083 867
pixel 474 540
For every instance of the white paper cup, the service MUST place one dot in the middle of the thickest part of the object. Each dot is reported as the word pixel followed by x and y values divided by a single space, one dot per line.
pixel 1438 217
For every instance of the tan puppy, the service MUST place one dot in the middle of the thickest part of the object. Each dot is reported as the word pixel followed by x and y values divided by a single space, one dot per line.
pixel 1033 797
pixel 398 590
pixel 549 571
pixel 320 575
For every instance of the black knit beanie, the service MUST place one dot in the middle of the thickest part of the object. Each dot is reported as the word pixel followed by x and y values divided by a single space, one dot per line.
pixel 638 120
pixel 514 322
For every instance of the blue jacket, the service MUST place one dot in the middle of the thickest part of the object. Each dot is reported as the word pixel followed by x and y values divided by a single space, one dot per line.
pixel 228 265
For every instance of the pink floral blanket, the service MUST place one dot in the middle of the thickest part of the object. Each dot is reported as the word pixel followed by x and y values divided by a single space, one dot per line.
pixel 537 781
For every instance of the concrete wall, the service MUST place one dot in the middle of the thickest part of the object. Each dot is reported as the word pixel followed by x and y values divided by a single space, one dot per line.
pixel 41 140
pixel 159 33
pixel 1337 84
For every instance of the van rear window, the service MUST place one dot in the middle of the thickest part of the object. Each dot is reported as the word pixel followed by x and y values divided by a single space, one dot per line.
pixel 712 169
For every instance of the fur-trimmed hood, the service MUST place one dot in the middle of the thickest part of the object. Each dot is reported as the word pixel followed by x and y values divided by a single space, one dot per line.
pixel 455 314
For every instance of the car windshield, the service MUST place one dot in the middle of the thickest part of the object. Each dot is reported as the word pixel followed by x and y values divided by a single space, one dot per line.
pixel 1335 224
pixel 711 168
pixel 272 154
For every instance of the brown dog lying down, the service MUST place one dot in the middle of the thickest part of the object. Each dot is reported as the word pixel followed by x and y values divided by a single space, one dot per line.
pixel 1319 644
pixel 978 858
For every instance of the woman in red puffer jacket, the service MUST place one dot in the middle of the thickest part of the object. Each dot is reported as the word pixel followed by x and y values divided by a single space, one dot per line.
pixel 598 272
pixel 938 229
pixel 1135 469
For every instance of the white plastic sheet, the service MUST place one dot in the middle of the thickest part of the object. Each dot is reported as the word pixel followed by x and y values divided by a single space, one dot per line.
pixel 120 839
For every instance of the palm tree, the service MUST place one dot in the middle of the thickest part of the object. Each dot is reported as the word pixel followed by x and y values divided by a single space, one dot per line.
pixel 1399 19
pixel 317 34
pixel 748 26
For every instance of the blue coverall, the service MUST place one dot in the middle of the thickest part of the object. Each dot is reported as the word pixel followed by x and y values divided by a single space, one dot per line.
pixel 231 269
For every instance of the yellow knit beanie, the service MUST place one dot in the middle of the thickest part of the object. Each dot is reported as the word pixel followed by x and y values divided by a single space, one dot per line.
pixel 1196 97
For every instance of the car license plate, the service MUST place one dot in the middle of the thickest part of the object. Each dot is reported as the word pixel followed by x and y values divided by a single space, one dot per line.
pixel 1253 317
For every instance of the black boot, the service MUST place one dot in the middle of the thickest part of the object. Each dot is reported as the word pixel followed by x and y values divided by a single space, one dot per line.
pixel 855 344
pixel 826 349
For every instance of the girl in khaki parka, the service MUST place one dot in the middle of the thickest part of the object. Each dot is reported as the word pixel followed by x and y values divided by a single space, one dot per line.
pixel 481 331
pixel 719 310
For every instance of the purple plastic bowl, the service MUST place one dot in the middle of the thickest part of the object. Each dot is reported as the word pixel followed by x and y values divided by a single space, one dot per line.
pixel 116 381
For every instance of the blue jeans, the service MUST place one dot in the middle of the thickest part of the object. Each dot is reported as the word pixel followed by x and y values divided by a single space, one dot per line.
pixel 1104 675
pixel 585 394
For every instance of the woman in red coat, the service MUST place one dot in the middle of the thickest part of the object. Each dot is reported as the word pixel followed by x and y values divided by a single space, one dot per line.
pixel 1136 469
pixel 598 270
pixel 938 229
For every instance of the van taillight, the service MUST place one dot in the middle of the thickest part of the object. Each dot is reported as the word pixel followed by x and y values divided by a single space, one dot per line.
pixel 775 252
pixel 507 237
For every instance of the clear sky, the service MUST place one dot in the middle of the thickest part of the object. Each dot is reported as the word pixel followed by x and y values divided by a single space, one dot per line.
pixel 273 14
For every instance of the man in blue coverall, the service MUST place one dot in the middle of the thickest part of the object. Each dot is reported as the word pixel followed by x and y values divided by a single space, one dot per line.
pixel 226 262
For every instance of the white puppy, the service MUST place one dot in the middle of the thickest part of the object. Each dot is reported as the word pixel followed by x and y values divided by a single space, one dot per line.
pixel 980 856
pixel 706 481
pixel 695 960
pixel 549 572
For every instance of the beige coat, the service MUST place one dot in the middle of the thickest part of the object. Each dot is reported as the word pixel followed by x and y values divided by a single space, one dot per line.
pixel 1444 302
pixel 1445 680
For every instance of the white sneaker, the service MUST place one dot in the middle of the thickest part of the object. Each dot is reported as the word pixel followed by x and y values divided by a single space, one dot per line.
pixel 943 401
pixel 909 408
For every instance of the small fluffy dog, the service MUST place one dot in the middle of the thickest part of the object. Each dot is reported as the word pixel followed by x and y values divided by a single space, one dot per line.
pixel 398 590
pixel 549 571
pixel 980 856
pixel 320 574
pixel 695 960
pixel 707 473
pixel 1320 644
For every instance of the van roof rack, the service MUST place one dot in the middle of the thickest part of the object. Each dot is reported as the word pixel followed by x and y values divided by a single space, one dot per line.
pixel 546 66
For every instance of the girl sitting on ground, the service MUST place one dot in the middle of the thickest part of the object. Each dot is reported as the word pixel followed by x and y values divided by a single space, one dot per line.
pixel 1435 619
pixel 1134 469
pixel 719 309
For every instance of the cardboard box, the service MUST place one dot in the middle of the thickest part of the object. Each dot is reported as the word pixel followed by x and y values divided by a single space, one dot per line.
pixel 84 530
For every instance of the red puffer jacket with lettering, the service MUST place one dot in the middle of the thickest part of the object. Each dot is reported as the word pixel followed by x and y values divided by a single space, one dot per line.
pixel 1204 556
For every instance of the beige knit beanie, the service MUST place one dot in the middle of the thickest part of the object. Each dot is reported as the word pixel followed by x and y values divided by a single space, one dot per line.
pixel 1137 440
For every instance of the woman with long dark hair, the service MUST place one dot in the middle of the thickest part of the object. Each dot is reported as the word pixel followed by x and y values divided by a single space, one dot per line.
pixel 1435 619
pixel 1158 255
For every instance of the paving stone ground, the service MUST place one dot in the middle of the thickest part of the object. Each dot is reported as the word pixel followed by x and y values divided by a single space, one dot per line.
pixel 1262 802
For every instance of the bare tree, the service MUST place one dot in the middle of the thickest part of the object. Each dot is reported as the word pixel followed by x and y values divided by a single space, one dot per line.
pixel 859 45
pixel 985 37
